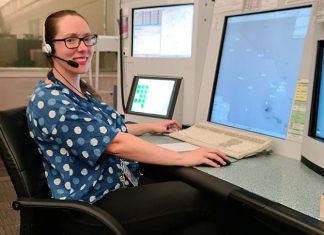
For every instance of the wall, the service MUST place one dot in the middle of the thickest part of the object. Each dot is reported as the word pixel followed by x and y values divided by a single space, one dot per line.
pixel 190 69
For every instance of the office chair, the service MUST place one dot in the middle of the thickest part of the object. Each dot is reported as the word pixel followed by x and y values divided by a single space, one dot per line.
pixel 40 214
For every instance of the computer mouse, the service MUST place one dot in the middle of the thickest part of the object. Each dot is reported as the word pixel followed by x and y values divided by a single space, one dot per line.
pixel 228 162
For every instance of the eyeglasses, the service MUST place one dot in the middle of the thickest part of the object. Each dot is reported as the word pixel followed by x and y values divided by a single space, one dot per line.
pixel 73 42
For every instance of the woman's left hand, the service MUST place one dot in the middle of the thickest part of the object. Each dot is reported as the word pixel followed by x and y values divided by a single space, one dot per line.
pixel 166 127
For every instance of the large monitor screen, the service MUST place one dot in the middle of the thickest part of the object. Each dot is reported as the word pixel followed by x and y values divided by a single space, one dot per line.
pixel 316 129
pixel 164 31
pixel 313 142
pixel 153 96
pixel 257 70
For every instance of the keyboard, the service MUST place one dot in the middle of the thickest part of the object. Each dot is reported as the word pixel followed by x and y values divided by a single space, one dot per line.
pixel 234 143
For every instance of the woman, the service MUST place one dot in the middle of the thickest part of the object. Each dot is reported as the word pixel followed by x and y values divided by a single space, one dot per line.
pixel 89 153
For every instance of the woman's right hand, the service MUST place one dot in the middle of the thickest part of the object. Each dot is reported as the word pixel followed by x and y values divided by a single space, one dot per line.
pixel 206 156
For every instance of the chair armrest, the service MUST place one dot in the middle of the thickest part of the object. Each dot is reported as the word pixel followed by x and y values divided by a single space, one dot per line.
pixel 97 213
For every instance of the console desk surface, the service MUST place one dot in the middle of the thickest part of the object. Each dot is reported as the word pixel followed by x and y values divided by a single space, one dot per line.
pixel 280 179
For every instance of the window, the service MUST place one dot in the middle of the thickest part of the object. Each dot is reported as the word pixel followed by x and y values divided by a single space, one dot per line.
pixel 21 28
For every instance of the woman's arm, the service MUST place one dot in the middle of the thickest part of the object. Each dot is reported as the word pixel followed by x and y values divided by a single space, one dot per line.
pixel 131 147
pixel 167 126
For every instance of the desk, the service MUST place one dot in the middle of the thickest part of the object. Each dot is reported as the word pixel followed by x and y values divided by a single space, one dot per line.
pixel 281 187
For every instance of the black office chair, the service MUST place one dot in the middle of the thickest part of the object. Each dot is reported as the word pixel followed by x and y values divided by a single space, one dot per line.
pixel 40 214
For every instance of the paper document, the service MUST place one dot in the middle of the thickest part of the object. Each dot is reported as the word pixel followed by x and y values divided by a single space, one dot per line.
pixel 179 147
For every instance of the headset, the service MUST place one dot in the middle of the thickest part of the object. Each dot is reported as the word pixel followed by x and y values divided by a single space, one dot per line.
pixel 46 48
pixel 49 52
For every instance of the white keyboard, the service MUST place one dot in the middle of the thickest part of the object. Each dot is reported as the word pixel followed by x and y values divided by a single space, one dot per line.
pixel 236 144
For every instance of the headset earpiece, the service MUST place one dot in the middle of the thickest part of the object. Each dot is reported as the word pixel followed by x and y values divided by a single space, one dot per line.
pixel 47 49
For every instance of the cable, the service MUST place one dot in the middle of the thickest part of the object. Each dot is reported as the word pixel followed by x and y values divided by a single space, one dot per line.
pixel 121 57
pixel 72 86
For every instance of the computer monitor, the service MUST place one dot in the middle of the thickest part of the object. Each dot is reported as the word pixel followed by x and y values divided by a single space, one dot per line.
pixel 162 31
pixel 313 144
pixel 153 96
pixel 257 70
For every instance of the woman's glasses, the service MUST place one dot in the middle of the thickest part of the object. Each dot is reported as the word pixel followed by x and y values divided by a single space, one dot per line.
pixel 73 42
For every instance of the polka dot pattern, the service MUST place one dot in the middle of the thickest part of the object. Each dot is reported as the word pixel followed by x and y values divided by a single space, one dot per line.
pixel 72 134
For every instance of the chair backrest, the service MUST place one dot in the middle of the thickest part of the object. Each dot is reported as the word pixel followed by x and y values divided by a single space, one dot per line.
pixel 20 155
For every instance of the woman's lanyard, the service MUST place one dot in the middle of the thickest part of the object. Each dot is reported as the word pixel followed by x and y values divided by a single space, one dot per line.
pixel 51 77
pixel 126 172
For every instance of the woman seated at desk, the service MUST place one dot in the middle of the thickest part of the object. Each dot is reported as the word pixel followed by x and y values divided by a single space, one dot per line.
pixel 91 155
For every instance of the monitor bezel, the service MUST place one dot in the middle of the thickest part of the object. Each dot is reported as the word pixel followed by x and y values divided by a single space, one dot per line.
pixel 132 30
pixel 220 51
pixel 318 79
pixel 312 146
pixel 173 98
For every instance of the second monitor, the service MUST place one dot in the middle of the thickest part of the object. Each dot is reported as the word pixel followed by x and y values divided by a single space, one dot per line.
pixel 162 31
pixel 154 98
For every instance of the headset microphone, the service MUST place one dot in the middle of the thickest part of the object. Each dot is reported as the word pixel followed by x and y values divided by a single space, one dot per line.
pixel 69 62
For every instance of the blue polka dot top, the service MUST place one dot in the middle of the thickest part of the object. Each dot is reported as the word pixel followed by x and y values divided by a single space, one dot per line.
pixel 72 134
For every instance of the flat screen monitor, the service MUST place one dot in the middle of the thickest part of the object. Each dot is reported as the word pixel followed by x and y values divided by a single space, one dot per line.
pixel 316 129
pixel 257 70
pixel 313 144
pixel 153 96
pixel 162 31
